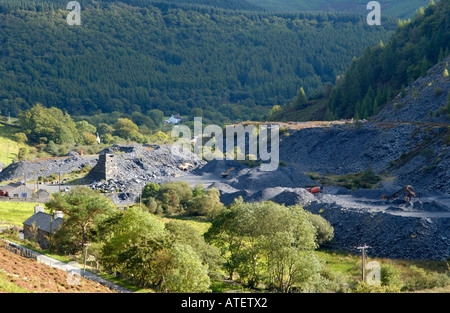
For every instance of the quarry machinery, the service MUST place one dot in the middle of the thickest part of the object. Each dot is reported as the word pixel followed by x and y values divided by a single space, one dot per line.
pixel 314 190
pixel 227 172
pixel 408 193
pixel 185 166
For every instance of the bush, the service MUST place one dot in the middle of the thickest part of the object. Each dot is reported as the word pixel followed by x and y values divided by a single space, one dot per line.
pixel 151 190
pixel 174 196
pixel 365 288
pixel 389 275
pixel 51 148
pixel 369 177
pixel 22 153
pixel 420 279
pixel 187 273
pixel 62 151
pixel 21 137
pixel 207 204
pixel 325 231
pixel 438 91
pixel 427 153
pixel 12 233
pixel 151 205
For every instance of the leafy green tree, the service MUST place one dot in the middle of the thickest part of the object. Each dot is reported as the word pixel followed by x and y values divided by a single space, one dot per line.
pixel 142 120
pixel 175 196
pixel 206 204
pixel 301 100
pixel 325 232
pixel 126 129
pixel 21 137
pixel 84 209
pixel 51 148
pixel 267 242
pixel 89 138
pixel 84 126
pixel 138 246
pixel 185 234
pixel 49 123
pixel 130 240
pixel 23 151
pixel 187 273
pixel 157 116
pixel 151 190
pixel 104 129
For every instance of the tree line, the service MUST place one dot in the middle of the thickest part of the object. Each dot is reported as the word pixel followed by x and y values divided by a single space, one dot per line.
pixel 383 71
pixel 261 245
pixel 379 74
pixel 233 65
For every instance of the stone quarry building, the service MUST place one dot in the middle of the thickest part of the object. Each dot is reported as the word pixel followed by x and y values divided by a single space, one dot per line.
pixel 40 225
pixel 105 169
pixel 16 190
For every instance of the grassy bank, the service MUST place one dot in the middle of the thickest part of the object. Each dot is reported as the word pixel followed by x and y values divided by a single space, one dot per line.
pixel 15 213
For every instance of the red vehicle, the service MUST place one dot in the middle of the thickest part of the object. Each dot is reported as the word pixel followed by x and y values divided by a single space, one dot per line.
pixel 314 190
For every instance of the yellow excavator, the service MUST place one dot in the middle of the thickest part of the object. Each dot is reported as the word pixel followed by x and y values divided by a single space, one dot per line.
pixel 227 172
pixel 185 166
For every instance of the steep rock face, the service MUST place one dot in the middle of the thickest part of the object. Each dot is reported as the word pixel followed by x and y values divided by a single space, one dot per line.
pixel 421 100
pixel 389 235
pixel 404 141
pixel 45 167
pixel 346 149
pixel 408 139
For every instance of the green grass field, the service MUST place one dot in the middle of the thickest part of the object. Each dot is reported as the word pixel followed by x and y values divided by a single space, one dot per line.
pixel 15 213
pixel 9 148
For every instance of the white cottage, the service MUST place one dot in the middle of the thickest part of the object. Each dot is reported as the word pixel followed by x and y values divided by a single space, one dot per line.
pixel 174 119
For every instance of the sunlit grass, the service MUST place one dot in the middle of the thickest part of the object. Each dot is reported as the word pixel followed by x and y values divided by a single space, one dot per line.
pixel 15 213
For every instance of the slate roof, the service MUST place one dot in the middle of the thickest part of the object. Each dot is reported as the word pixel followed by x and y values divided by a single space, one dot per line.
pixel 42 221
pixel 12 186
pixel 43 191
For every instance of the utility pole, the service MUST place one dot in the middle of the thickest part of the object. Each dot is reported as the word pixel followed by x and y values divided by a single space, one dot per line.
pixel 7 155
pixel 85 256
pixel 363 250
pixel 51 229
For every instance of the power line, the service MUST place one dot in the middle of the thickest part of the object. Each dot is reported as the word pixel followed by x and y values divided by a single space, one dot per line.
pixel 363 250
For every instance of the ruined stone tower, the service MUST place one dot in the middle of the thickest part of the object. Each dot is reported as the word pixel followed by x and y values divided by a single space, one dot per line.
pixel 105 169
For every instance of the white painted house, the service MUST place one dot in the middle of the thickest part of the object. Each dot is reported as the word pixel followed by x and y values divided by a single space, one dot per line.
pixel 174 119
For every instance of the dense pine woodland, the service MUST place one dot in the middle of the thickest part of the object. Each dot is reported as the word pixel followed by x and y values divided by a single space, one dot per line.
pixel 224 60
pixel 383 71
pixel 397 8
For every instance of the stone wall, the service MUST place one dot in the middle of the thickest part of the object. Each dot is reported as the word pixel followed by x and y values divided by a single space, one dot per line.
pixel 105 169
